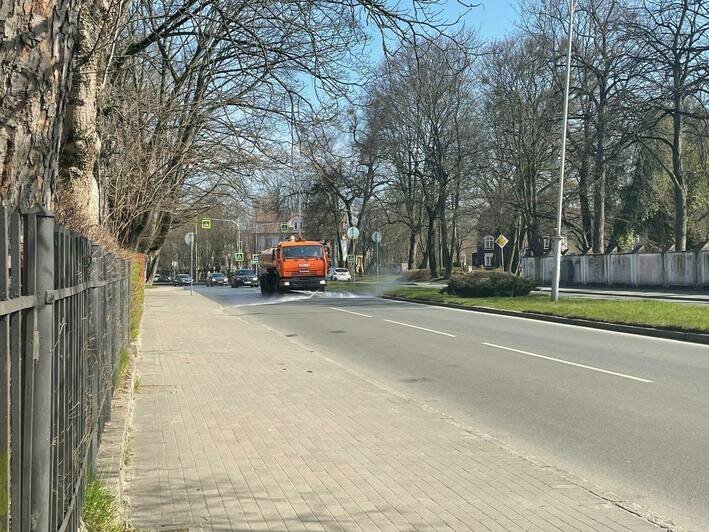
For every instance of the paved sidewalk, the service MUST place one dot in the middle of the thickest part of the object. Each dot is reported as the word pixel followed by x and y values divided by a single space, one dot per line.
pixel 238 428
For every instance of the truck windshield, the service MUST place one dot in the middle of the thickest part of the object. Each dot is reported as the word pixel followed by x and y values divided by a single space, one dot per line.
pixel 302 252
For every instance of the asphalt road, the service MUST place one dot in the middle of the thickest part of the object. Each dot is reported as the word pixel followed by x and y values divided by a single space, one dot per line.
pixel 629 413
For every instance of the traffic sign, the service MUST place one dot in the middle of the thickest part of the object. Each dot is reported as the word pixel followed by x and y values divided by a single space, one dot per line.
pixel 376 237
pixel 189 238
pixel 296 223
pixel 501 241
pixel 353 233
pixel 285 228
pixel 239 256
pixel 206 223
pixel 174 264
pixel 255 259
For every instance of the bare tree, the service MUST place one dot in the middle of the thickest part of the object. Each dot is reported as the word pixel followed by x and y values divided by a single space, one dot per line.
pixel 521 113
pixel 674 47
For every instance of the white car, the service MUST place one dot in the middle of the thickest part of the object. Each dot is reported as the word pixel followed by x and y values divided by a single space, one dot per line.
pixel 339 274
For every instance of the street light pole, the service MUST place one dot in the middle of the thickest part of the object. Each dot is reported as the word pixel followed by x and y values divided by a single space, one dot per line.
pixel 557 237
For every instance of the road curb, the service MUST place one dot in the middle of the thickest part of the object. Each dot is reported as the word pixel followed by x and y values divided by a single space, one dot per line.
pixel 698 338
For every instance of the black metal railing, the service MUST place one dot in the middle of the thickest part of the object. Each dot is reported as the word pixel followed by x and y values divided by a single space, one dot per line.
pixel 64 317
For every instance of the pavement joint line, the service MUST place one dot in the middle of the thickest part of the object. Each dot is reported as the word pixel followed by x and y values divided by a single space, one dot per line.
pixel 545 357
pixel 351 312
pixel 421 328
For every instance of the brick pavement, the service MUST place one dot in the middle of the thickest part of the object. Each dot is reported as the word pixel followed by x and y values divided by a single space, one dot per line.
pixel 237 428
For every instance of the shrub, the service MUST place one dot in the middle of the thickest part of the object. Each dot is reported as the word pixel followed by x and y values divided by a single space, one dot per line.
pixel 489 284
pixel 415 275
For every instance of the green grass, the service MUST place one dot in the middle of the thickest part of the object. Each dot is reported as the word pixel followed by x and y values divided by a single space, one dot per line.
pixel 123 363
pixel 137 289
pixel 100 512
pixel 674 316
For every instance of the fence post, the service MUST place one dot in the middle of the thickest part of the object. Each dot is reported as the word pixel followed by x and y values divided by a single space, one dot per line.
pixel 42 357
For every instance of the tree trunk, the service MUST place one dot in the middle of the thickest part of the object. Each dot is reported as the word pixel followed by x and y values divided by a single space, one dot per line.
pixel 78 195
pixel 431 242
pixel 445 250
pixel 535 240
pixel 38 38
pixel 584 198
pixel 599 208
pixel 152 269
pixel 413 237
pixel 599 197
pixel 679 184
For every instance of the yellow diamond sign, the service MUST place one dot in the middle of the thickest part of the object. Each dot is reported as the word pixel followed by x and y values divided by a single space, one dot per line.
pixel 501 241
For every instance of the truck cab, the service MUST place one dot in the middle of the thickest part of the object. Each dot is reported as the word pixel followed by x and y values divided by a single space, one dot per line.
pixel 293 265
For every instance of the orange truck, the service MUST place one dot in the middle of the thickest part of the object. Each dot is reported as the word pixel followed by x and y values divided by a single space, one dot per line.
pixel 292 265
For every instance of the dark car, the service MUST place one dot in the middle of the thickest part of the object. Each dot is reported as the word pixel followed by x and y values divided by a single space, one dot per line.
pixel 217 279
pixel 182 279
pixel 244 278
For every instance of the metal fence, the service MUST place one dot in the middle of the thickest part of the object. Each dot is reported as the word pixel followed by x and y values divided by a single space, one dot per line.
pixel 64 317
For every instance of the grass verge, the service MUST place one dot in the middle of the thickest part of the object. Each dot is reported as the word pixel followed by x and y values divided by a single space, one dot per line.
pixel 137 294
pixel 661 314
pixel 100 512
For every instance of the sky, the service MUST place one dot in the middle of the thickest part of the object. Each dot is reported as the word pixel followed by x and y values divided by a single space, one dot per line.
pixel 494 18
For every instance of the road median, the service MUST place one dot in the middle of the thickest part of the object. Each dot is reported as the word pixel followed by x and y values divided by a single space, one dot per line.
pixel 649 318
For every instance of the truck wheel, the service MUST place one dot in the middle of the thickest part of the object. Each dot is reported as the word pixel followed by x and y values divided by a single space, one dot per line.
pixel 266 285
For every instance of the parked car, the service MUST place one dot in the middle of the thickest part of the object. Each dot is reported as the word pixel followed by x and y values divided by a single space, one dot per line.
pixel 244 278
pixel 182 279
pixel 339 274
pixel 217 279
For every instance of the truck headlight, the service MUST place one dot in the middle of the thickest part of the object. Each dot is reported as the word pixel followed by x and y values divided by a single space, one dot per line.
pixel 286 283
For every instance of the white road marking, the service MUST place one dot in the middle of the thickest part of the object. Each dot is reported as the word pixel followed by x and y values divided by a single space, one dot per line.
pixel 567 362
pixel 421 328
pixel 351 312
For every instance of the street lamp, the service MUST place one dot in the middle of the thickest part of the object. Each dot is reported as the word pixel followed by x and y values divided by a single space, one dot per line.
pixel 557 237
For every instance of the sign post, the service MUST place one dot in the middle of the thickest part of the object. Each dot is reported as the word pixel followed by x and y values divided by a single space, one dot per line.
pixel 502 242
pixel 353 234
pixel 189 240
pixel 376 238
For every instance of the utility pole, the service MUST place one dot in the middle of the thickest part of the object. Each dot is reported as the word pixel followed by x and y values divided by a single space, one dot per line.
pixel 194 251
pixel 557 237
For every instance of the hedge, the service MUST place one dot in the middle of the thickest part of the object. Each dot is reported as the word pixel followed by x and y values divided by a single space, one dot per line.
pixel 489 284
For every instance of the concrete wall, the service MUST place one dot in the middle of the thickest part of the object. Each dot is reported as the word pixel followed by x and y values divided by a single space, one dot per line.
pixel 687 269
